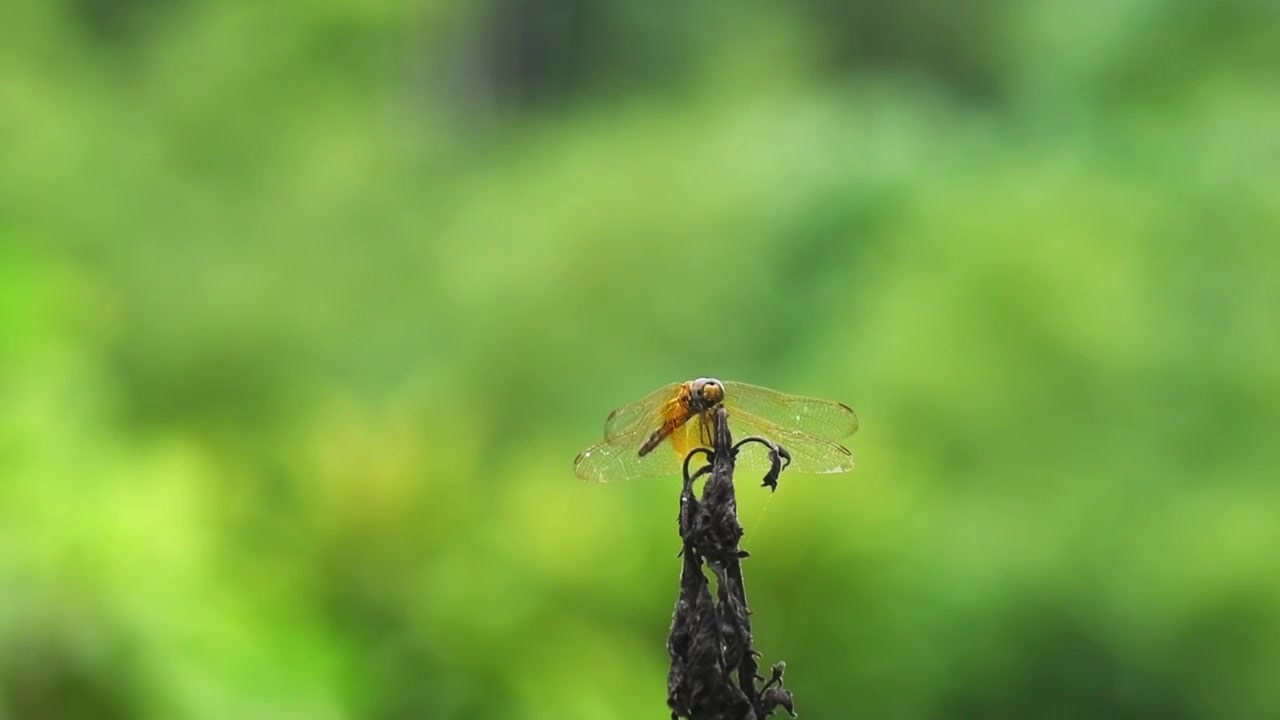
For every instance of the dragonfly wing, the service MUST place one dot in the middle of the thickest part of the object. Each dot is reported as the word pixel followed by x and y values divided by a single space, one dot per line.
pixel 809 454
pixel 618 459
pixel 825 419
pixel 647 412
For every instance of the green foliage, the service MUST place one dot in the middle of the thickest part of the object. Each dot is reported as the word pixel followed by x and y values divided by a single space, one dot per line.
pixel 306 308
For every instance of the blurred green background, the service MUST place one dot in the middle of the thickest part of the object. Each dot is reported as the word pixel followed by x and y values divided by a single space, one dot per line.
pixel 306 308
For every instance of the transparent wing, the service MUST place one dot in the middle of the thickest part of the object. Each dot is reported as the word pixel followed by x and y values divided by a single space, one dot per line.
pixel 809 454
pixel 642 412
pixel 618 459
pixel 824 419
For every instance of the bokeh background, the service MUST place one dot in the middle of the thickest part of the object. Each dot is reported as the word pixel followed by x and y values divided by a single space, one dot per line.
pixel 306 308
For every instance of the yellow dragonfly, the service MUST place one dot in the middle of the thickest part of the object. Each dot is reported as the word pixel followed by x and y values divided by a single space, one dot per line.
pixel 651 436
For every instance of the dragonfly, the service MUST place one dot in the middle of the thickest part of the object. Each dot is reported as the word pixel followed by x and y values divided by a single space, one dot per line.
pixel 651 436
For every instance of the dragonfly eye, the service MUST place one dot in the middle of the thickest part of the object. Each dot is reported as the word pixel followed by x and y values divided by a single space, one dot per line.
pixel 712 392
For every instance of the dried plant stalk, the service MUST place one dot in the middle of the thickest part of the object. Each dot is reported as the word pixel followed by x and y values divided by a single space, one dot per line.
pixel 714 667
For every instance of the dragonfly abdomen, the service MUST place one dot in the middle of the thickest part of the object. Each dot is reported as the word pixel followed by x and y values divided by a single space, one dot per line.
pixel 672 423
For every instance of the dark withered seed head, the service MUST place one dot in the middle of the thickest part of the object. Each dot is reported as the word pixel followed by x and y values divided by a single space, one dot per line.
pixel 714 666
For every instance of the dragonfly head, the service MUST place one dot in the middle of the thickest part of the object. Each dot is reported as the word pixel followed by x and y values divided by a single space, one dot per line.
pixel 705 393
